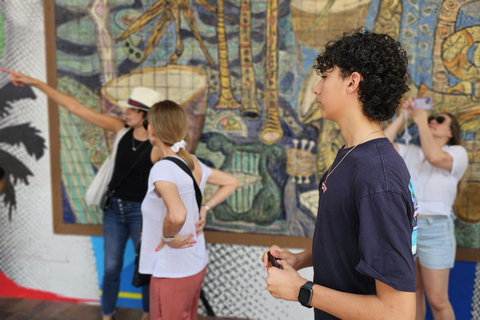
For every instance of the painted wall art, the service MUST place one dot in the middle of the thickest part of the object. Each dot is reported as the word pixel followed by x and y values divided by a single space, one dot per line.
pixel 243 71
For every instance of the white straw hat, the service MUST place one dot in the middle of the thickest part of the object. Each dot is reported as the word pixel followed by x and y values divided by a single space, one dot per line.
pixel 141 98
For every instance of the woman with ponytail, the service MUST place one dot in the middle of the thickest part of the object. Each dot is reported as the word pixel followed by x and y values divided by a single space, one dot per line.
pixel 173 245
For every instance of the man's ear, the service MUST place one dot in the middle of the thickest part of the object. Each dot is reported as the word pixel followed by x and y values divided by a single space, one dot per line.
pixel 354 82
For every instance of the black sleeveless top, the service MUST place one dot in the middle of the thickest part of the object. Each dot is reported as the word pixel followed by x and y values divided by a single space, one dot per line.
pixel 133 187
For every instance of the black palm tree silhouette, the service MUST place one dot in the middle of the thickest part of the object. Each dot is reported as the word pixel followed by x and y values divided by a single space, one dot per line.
pixel 16 135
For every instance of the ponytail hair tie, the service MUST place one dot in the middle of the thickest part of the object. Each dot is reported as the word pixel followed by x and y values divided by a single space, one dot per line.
pixel 178 145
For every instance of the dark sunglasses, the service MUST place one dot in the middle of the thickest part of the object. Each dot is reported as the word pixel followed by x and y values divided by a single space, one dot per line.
pixel 438 119
pixel 145 124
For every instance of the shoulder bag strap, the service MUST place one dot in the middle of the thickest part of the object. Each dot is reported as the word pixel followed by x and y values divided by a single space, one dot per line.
pixel 186 168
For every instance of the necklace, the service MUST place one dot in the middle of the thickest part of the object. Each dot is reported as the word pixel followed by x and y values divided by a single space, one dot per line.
pixel 134 148
pixel 324 183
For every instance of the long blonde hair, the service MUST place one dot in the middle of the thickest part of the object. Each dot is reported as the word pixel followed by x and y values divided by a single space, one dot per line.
pixel 169 122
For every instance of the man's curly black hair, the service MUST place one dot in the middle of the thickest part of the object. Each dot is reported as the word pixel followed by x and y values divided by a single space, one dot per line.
pixel 382 63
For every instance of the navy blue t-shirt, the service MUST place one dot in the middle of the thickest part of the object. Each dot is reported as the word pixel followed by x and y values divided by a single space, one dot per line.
pixel 365 222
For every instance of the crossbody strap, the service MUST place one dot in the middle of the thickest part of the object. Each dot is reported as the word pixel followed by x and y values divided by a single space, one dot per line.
pixel 186 168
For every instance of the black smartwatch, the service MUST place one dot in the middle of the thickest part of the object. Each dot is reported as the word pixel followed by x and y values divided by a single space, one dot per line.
pixel 305 294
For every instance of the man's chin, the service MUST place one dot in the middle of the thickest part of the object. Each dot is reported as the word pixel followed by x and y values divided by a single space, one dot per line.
pixel 322 112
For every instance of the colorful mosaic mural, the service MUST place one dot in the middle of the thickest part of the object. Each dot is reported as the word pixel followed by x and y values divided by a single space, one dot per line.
pixel 242 70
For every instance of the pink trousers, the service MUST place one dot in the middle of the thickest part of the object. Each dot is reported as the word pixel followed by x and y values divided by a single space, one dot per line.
pixel 175 298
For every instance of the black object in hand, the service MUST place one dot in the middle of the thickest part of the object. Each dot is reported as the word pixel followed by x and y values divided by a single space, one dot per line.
pixel 273 261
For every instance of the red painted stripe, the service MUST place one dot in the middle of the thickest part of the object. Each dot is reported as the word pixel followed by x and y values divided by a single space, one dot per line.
pixel 8 288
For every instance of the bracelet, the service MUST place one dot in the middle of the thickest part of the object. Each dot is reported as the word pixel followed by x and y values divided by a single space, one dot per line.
pixel 213 203
pixel 167 239
pixel 204 205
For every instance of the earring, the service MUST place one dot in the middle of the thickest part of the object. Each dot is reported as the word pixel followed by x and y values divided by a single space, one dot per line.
pixel 151 139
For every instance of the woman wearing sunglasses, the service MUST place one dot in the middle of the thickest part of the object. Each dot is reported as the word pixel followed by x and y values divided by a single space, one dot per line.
pixel 435 167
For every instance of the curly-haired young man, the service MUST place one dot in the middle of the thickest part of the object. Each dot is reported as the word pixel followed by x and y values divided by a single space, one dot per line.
pixel 363 247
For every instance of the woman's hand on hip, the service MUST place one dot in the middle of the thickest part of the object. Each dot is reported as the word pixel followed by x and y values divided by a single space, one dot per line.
pixel 178 242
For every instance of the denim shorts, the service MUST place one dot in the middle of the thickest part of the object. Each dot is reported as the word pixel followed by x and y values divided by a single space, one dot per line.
pixel 436 242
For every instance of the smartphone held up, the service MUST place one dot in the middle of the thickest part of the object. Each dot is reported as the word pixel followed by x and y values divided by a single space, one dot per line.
pixel 273 261
pixel 425 103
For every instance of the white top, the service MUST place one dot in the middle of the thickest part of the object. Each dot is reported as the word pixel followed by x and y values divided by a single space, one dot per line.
pixel 435 188
pixel 170 262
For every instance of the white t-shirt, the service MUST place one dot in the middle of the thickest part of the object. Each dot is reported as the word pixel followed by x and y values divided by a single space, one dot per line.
pixel 170 262
pixel 435 188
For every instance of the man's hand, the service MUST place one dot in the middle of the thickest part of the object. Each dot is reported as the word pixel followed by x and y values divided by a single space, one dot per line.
pixel 178 242
pixel 281 254
pixel 284 283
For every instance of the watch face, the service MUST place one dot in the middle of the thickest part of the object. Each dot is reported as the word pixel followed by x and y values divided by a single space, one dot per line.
pixel 305 295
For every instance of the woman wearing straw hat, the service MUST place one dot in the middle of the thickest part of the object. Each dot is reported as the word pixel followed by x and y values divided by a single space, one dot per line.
pixel 134 158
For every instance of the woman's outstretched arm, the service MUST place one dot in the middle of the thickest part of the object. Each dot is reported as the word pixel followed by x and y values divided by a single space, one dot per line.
pixel 71 104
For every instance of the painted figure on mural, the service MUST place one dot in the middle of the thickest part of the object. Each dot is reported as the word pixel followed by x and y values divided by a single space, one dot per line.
pixel 17 171
pixel 122 217
pixel 173 245
pixel 363 246
pixel 436 168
